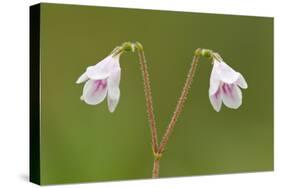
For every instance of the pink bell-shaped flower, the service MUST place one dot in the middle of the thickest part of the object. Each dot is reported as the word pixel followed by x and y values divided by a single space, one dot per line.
pixel 102 80
pixel 225 84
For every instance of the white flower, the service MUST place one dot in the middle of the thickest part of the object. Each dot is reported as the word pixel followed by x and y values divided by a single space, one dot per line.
pixel 224 82
pixel 102 80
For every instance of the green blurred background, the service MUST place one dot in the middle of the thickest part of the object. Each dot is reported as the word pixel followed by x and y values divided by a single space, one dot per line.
pixel 82 143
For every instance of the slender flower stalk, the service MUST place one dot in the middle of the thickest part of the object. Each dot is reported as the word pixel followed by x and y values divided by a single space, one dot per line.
pixel 177 112
pixel 148 96
pixel 149 106
pixel 181 100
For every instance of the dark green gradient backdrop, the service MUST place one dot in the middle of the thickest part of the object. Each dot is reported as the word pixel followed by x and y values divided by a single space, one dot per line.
pixel 82 143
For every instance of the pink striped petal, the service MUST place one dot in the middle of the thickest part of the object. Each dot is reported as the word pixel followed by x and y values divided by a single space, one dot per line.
pixel 216 100
pixel 94 91
pixel 231 95
pixel 214 79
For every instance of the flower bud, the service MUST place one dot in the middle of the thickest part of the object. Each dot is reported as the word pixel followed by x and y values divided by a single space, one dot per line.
pixel 207 53
pixel 128 47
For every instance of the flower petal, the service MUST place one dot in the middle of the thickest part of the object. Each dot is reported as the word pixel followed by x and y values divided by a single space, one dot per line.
pixel 101 70
pixel 242 82
pixel 113 89
pixel 112 102
pixel 227 74
pixel 214 79
pixel 94 91
pixel 231 95
pixel 82 78
pixel 216 100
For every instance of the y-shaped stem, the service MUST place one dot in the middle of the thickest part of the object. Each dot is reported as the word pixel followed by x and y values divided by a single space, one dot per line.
pixel 148 96
pixel 181 101
pixel 158 151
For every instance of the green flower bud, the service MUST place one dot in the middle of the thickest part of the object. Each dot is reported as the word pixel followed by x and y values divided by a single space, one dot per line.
pixel 207 53
pixel 128 47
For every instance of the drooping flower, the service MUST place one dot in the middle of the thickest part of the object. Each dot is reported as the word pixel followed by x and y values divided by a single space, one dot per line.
pixel 224 86
pixel 102 80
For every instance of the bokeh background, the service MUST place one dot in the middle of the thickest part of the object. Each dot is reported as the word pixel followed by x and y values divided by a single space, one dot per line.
pixel 81 143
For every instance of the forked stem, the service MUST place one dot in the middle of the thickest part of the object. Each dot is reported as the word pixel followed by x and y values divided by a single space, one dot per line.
pixel 158 151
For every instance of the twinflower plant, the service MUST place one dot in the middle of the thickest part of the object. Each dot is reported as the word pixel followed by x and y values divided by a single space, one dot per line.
pixel 102 80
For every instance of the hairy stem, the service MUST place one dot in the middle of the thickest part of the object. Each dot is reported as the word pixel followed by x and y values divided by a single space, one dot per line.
pixel 148 97
pixel 155 171
pixel 181 101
